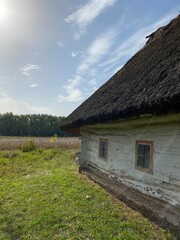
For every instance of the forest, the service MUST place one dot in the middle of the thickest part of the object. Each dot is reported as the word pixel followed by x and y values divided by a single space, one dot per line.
pixel 36 125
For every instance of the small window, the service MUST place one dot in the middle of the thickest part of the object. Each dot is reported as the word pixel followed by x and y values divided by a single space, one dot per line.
pixel 144 156
pixel 103 149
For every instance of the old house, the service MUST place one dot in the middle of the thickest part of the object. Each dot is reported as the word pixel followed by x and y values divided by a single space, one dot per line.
pixel 130 127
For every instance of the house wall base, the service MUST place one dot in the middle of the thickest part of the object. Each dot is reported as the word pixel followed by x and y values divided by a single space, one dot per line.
pixel 164 180
pixel 161 212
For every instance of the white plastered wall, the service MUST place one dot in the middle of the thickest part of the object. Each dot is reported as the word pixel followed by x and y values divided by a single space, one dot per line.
pixel 164 183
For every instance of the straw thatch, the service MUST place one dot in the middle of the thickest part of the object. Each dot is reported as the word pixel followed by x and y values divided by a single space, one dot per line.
pixel 149 83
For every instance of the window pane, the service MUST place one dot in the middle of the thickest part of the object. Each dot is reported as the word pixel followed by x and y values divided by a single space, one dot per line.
pixel 147 150
pixel 100 152
pixel 105 153
pixel 140 149
pixel 147 162
pixel 103 149
pixel 140 161
pixel 104 146
pixel 144 155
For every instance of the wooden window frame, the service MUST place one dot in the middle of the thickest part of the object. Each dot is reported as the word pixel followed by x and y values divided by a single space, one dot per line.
pixel 144 142
pixel 106 157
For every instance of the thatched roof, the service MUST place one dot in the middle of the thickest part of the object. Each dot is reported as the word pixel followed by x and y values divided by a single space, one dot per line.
pixel 149 83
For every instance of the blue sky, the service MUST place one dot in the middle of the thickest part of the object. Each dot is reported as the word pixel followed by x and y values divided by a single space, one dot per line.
pixel 55 53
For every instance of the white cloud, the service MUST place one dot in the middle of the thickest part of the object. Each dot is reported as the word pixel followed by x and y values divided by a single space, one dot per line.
pixel 26 70
pixel 117 69
pixel 74 54
pixel 74 94
pixel 91 59
pixel 110 66
pixel 128 48
pixel 86 14
pixel 34 85
pixel 97 50
pixel 8 104
pixel 92 82
pixel 136 41
pixel 60 44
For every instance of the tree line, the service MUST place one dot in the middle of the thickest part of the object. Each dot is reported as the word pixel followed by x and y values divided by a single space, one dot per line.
pixel 36 125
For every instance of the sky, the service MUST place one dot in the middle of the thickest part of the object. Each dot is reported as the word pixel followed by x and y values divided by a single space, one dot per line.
pixel 55 53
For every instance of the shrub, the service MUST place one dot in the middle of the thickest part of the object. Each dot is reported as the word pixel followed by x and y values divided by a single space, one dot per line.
pixel 28 146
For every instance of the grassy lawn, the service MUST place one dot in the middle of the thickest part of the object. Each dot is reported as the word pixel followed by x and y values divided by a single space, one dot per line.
pixel 43 197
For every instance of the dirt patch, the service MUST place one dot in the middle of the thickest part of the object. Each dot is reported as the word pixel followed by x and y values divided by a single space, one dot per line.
pixel 160 212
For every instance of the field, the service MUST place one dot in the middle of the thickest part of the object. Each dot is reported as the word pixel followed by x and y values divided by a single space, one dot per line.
pixel 43 197
pixel 10 143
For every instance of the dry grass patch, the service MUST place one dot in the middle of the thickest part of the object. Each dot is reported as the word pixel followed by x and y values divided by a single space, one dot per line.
pixel 11 143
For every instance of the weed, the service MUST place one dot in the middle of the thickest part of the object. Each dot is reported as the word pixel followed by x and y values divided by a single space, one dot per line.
pixel 28 146
pixel 40 150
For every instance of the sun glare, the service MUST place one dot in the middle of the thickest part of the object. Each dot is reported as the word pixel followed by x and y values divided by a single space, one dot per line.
pixel 4 12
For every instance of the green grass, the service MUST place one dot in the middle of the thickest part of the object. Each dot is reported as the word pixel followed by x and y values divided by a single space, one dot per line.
pixel 43 197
